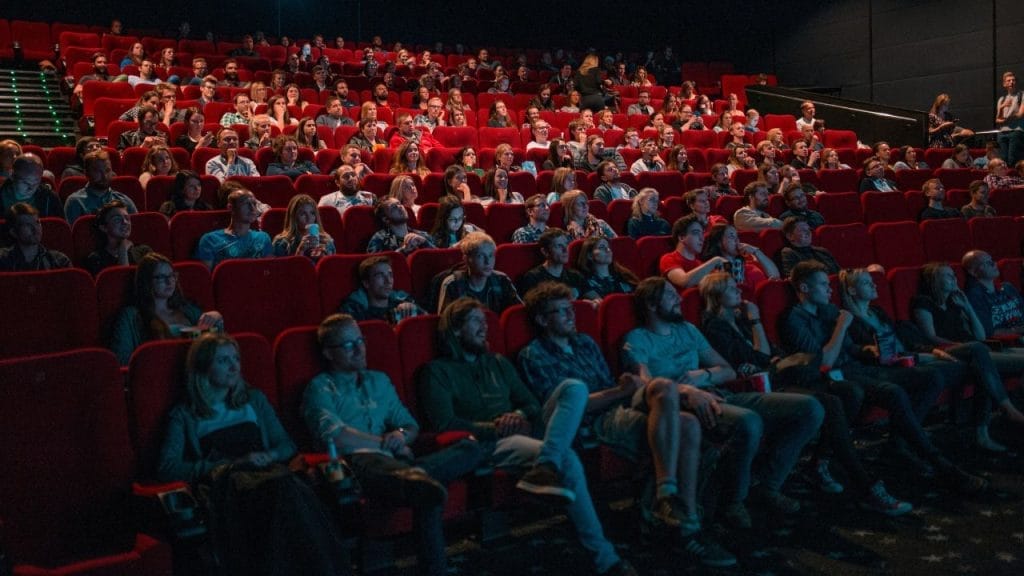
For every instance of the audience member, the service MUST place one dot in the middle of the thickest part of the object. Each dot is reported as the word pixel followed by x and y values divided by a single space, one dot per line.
pixel 578 220
pixel 874 179
pixel 395 233
pixel 376 297
pixel 754 217
pixel 158 162
pixel 184 195
pixel 748 265
pixel 450 225
pixel 935 193
pixel 554 247
pixel 111 231
pixel 303 233
pixel 26 185
pixel 645 219
pixel 478 279
pixel 796 205
pixel 239 239
pixel 27 253
pixel 229 162
pixel 978 207
pixel 97 192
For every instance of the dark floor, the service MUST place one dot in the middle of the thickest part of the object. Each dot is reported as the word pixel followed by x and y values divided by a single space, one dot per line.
pixel 945 534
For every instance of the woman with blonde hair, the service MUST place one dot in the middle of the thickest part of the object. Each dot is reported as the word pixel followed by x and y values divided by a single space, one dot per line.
pixel 403 189
pixel 158 162
pixel 588 82
pixel 303 234
pixel 225 439
pixel 563 180
pixel 646 221
pixel 578 220
pixel 408 160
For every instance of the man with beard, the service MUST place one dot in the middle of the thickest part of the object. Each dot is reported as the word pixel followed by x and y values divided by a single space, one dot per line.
pixel 479 280
pixel 348 193
pixel 97 192
pixel 754 216
pixel 395 235
pixel 99 72
pixel 231 78
pixel 238 240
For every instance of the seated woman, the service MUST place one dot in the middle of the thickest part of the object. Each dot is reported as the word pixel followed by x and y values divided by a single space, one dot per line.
pixel 457 118
pixel 678 160
pixel 775 137
pixel 577 140
pixel 158 310
pixel 293 96
pixel 185 195
pixel 539 130
pixel 158 162
pixel 908 159
pixel 646 221
pixel 960 159
pixel 572 103
pixel 559 155
pixel 942 129
pixel 578 220
pixel 946 319
pixel 499 116
pixel 999 177
pixel 277 109
pixel 505 157
pixel 748 265
pixel 723 124
pixel 408 160
pixel 85 146
pixel 226 441
pixel 455 101
pixel 602 275
pixel 466 158
pixel 563 180
pixel 768 154
pixel 25 184
pixel 830 160
pixel 403 189
pixel 286 159
pixel 704 106
pixel 606 120
pixel 455 184
pixel 257 94
pixel 366 137
pixel 194 135
pixel 733 327
pixel 111 231
pixel 450 225
pixel 699 203
pixel 496 189
pixel 303 234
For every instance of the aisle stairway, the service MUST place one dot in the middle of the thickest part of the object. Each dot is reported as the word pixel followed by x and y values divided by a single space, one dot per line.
pixel 33 110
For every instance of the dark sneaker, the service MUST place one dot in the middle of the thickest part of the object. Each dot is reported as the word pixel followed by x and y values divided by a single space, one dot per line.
pixel 419 489
pixel 878 500
pixel 736 516
pixel 621 568
pixel 823 478
pixel 543 480
pixel 778 502
pixel 707 552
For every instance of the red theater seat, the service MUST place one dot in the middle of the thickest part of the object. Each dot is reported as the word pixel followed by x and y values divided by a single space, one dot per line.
pixel 47 312
pixel 266 295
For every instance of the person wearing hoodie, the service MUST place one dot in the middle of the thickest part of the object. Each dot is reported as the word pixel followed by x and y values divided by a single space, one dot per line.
pixel 376 298
pixel 469 388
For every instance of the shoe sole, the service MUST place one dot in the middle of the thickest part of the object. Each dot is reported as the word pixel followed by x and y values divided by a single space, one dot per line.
pixel 548 492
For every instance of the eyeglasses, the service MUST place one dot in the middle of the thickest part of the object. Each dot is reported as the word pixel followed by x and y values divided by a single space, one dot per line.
pixel 348 345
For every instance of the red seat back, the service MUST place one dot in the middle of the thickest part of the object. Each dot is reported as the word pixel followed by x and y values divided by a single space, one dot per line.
pixel 945 240
pixel 266 295
pixel 897 244
pixel 47 312
pixel 337 277
pixel 849 244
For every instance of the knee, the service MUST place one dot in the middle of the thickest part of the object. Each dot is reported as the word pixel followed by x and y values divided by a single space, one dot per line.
pixel 814 412
pixel 663 392
pixel 749 428
pixel 572 391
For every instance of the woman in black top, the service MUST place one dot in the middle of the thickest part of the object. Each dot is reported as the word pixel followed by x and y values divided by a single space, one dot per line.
pixel 185 195
pixel 733 328
pixel 588 82
pixel 602 275
pixel 946 318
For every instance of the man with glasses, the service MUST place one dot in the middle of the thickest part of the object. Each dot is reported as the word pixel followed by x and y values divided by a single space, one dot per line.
pixel 642 105
pixel 537 210
pixel 358 412
pixel 541 130
pixel 200 70
pixel 207 91
pixel 147 135
pixel 348 193
pixel 229 162
pixel 242 113
pixel 432 118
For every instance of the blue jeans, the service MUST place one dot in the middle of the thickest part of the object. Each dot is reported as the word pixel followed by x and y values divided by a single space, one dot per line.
pixel 562 414
pixel 1011 145
pixel 785 421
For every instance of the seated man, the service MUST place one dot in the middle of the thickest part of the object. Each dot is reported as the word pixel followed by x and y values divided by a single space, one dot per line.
pixel 816 326
pixel 998 177
pixel 376 297
pixel 803 156
pixel 238 240
pixel 97 191
pixel 649 160
pixel 978 207
pixel 341 91
pixel 595 153
pixel 642 105
pixel 611 187
pixel 229 162
pixel 407 131
pixel 395 233
pixel 169 114
pixel 231 78
pixel 554 245
pixel 667 346
pixel 809 135
pixel 806 115
pixel 540 131
pixel 737 137
pixel 797 231
pixel 512 427
pixel 935 192
pixel 335 115
pixel 796 205
pixel 200 70
pixel 479 280
pixel 358 411
pixel 432 118
pixel 683 266
pixel 1000 309
pixel 351 155
pixel 874 177
pixel 27 251
pixel 348 193
pixel 99 72
pixel 25 184
pixel 537 211
pixel 242 113
pixel 627 414
pixel 719 183
pixel 246 49
pixel 147 134
pixel 754 216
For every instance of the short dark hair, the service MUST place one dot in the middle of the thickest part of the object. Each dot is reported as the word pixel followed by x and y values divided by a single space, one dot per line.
pixel 537 298
pixel 648 293
pixel 683 224
pixel 790 224
pixel 750 189
pixel 367 264
pixel 548 236
pixel 803 272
